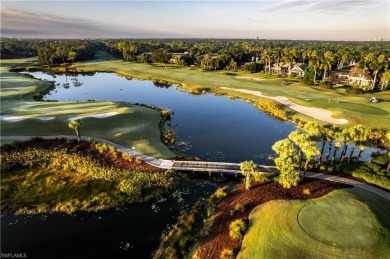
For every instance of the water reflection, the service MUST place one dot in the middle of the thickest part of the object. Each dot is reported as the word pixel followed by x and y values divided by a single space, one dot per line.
pixel 209 127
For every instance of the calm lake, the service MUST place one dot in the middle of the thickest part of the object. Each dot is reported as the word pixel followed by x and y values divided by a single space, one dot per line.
pixel 213 128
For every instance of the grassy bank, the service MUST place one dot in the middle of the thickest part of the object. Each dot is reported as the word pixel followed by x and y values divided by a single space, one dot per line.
pixel 355 108
pixel 129 126
pixel 349 223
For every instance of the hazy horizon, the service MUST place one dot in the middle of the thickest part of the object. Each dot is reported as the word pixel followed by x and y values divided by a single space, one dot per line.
pixel 344 20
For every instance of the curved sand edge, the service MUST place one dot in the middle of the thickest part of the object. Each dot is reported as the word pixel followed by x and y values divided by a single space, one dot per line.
pixel 313 112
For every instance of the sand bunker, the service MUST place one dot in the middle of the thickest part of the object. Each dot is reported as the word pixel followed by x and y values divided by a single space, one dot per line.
pixel 313 112
pixel 15 118
pixel 99 116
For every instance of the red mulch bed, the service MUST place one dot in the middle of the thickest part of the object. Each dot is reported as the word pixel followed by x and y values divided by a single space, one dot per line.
pixel 218 235
pixel 84 148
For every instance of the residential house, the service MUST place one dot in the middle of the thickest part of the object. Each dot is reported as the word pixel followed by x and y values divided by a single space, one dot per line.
pixel 176 56
pixel 298 70
pixel 351 76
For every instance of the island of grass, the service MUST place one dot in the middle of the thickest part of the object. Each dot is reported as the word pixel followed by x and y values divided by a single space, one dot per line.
pixel 64 175
pixel 349 223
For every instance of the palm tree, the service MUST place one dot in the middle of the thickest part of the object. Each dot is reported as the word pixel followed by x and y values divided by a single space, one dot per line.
pixel 327 63
pixel 298 138
pixel 306 146
pixel 76 124
pixel 277 54
pixel 336 147
pixel 248 169
pixel 345 138
pixel 385 79
pixel 331 134
pixel 377 66
pixel 314 64
pixel 286 163
pixel 267 57
pixel 358 134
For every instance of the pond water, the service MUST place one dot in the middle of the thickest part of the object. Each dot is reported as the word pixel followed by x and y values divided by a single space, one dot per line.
pixel 213 128
pixel 128 232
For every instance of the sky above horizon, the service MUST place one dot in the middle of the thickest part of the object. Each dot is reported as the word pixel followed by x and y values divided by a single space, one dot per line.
pixel 269 19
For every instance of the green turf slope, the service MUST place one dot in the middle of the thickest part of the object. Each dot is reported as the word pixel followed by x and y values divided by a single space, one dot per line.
pixel 348 223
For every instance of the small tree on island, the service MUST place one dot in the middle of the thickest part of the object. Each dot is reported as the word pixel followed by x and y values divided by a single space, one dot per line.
pixel 76 124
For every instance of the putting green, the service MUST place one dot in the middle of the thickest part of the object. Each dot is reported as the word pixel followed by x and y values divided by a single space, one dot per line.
pixel 346 223
pixel 341 218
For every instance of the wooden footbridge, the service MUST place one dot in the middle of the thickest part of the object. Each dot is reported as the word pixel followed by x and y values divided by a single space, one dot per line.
pixel 192 166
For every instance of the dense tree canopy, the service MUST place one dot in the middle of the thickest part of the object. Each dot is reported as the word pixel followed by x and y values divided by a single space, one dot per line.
pixel 214 54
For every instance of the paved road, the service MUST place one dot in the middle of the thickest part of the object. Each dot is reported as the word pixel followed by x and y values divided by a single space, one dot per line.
pixel 354 183
pixel 208 166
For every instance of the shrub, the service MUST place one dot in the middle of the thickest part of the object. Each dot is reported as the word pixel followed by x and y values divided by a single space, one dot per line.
pixel 102 147
pixel 252 67
pixel 199 90
pixel 326 85
pixel 227 254
pixel 128 157
pixel 138 160
pixel 353 90
pixel 306 191
pixel 219 194
pixel 380 159
pixel 240 208
pixel 237 229
pixel 170 253
pixel 273 108
pixel 306 81
pixel 237 208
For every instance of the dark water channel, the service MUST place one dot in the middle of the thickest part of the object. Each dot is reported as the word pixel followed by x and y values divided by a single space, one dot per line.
pixel 211 127
pixel 128 232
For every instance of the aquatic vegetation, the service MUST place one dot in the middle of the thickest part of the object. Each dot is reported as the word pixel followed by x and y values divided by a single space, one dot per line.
pixel 36 181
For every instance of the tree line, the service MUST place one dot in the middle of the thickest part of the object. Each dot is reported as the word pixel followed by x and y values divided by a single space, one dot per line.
pixel 315 144
pixel 215 54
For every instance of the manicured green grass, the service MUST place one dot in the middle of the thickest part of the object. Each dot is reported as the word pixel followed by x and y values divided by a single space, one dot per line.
pixel 132 126
pixel 349 223
pixel 356 109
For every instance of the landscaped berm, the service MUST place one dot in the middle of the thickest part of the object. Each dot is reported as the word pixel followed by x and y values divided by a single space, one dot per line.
pixel 346 223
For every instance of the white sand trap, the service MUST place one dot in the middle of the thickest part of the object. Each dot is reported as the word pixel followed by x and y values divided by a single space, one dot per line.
pixel 45 118
pixel 313 112
pixel 99 116
pixel 12 118
pixel 16 118
pixel 250 78
pixel 20 118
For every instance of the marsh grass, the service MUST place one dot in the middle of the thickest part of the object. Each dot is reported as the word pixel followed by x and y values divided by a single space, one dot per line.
pixel 35 181
pixel 185 236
